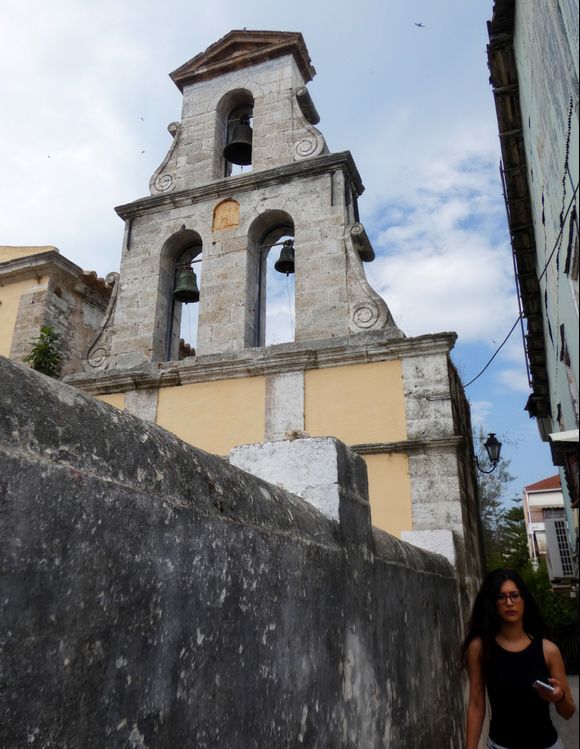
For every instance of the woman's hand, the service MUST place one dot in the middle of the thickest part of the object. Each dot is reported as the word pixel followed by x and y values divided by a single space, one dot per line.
pixel 550 695
pixel 561 697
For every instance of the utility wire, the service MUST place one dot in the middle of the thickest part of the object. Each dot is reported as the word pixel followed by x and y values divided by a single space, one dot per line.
pixel 499 348
pixel 521 315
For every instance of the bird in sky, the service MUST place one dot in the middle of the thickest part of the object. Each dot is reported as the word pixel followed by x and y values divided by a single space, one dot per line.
pixel 419 24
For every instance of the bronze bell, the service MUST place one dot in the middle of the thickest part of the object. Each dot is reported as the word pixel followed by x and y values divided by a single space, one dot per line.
pixel 239 149
pixel 186 290
pixel 285 263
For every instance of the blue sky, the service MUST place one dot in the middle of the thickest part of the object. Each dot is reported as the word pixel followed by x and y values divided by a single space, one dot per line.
pixel 86 100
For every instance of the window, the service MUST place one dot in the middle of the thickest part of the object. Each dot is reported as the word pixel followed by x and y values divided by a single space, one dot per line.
pixel 571 264
pixel 179 285
pixel 271 277
pixel 553 512
pixel 187 281
pixel 234 134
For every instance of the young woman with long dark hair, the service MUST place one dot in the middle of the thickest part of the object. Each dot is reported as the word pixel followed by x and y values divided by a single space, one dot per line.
pixel 505 652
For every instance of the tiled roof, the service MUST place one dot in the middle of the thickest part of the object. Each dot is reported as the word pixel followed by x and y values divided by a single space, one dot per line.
pixel 553 482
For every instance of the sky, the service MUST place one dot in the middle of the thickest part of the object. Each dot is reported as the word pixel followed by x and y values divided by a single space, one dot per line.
pixel 85 100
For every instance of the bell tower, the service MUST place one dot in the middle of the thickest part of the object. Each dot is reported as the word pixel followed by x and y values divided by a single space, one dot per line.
pixel 249 192
pixel 247 169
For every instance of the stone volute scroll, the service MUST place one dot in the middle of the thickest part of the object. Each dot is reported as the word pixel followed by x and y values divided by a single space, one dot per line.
pixel 367 309
pixel 98 353
pixel 308 140
pixel 163 180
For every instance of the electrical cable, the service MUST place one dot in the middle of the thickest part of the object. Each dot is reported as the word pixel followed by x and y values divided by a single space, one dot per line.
pixel 499 348
pixel 521 315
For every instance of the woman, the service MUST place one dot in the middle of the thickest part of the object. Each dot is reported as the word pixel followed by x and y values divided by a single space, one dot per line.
pixel 506 653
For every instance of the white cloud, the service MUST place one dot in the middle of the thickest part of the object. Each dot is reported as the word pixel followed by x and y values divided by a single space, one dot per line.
pixel 480 410
pixel 514 380
pixel 443 262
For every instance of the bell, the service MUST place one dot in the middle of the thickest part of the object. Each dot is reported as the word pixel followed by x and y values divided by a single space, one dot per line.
pixel 186 290
pixel 239 149
pixel 285 263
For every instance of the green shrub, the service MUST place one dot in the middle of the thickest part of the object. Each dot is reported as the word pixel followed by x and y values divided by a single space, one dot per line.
pixel 46 354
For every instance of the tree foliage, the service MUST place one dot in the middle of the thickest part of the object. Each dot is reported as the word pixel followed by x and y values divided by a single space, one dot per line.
pixel 559 610
pixel 493 495
pixel 46 354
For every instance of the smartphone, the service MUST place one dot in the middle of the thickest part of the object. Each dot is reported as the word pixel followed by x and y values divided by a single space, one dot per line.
pixel 542 684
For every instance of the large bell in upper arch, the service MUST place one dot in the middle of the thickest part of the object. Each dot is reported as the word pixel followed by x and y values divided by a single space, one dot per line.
pixel 285 263
pixel 239 149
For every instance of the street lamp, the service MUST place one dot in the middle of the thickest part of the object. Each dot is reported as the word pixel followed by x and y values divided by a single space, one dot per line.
pixel 493 448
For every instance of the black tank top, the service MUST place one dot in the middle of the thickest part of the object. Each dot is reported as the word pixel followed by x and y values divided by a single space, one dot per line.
pixel 520 718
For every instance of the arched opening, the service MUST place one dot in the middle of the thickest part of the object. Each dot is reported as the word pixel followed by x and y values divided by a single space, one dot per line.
pixel 179 291
pixel 234 131
pixel 272 247
pixel 187 283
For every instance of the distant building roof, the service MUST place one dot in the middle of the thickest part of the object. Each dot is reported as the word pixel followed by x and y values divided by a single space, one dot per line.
pixel 549 484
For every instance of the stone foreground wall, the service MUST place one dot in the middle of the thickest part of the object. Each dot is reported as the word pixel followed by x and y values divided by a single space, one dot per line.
pixel 154 596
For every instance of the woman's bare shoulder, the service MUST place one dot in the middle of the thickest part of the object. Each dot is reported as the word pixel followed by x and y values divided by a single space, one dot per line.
pixel 550 648
pixel 474 648
pixel 474 657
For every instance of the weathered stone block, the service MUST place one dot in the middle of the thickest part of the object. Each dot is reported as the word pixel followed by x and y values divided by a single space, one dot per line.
pixel 153 595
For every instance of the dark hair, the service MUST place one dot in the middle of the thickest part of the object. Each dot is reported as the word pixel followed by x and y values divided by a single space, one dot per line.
pixel 485 621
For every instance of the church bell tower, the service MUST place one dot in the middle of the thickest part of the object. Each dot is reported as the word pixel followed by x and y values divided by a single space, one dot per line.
pixel 247 193
pixel 248 172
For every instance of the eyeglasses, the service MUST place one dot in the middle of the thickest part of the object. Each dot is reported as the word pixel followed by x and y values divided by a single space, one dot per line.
pixel 514 596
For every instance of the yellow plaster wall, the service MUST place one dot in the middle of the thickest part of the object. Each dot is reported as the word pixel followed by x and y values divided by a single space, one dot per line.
pixel 9 300
pixel 13 253
pixel 390 492
pixel 215 416
pixel 359 403
pixel 113 399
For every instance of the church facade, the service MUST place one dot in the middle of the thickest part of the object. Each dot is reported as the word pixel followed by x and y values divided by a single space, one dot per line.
pixel 248 175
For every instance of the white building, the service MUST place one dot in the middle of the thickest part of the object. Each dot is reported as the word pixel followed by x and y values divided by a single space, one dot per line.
pixel 547 530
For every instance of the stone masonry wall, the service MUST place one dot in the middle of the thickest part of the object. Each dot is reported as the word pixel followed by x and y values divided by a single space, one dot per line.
pixel 154 596
pixel 443 482
pixel 68 306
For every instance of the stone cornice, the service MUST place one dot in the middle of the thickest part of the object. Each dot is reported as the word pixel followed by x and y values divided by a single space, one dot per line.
pixel 246 182
pixel 271 360
pixel 241 49
pixel 407 446
pixel 51 262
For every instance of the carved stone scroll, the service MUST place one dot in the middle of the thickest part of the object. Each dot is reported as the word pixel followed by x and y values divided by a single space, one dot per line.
pixel 97 357
pixel 307 105
pixel 368 310
pixel 308 140
pixel 163 180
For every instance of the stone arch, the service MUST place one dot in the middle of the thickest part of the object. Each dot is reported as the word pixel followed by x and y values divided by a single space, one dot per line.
pixel 266 230
pixel 231 107
pixel 181 246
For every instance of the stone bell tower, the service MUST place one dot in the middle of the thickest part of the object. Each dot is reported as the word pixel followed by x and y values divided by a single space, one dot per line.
pixel 253 83
pixel 248 169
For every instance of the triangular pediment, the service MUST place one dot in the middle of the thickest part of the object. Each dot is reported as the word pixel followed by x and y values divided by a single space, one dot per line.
pixel 241 49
